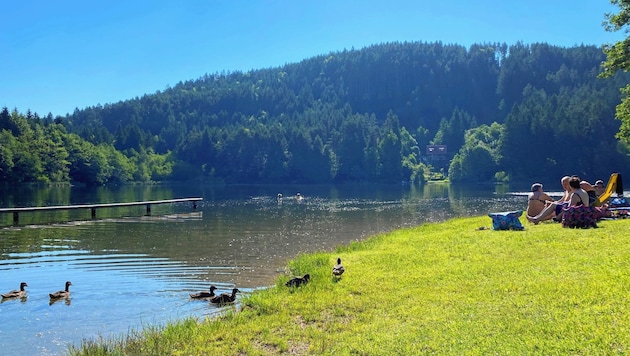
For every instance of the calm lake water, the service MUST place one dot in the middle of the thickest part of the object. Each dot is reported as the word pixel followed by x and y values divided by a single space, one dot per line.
pixel 129 270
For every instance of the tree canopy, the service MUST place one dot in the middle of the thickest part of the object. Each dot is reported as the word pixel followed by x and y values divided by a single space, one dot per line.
pixel 618 59
pixel 505 112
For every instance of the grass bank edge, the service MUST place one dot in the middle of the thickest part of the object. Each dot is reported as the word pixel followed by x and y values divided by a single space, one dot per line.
pixel 440 287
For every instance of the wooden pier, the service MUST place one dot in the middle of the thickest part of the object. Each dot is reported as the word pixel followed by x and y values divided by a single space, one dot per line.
pixel 16 211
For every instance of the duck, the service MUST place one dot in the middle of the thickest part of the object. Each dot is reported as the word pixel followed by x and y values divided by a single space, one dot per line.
pixel 298 281
pixel 225 298
pixel 338 269
pixel 16 293
pixel 204 294
pixel 62 293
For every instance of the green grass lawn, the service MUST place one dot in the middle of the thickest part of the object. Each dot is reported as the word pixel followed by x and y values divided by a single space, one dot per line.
pixel 446 288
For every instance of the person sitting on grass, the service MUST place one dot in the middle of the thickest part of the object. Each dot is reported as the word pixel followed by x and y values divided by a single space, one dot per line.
pixel 599 187
pixel 579 196
pixel 579 214
pixel 537 200
pixel 600 211
pixel 554 208
pixel 590 190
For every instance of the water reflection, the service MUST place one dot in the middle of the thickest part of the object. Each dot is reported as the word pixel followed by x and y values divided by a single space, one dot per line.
pixel 66 301
pixel 130 270
pixel 21 299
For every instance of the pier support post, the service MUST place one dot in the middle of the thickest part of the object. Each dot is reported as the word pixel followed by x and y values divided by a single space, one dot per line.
pixel 16 218
pixel 93 213
pixel 148 209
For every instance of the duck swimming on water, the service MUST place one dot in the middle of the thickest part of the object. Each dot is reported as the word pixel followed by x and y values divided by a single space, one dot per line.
pixel 16 293
pixel 204 294
pixel 62 293
pixel 225 298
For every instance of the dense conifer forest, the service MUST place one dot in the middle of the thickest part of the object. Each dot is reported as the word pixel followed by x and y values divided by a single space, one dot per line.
pixel 518 112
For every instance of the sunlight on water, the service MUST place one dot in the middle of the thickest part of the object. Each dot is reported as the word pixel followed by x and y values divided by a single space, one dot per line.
pixel 129 271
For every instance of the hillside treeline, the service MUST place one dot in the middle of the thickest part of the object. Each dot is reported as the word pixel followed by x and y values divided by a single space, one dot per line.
pixel 41 150
pixel 504 112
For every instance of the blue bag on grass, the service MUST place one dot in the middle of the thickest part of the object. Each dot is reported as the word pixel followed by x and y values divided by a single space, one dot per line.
pixel 507 220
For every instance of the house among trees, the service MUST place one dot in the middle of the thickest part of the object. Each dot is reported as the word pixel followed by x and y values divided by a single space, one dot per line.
pixel 436 153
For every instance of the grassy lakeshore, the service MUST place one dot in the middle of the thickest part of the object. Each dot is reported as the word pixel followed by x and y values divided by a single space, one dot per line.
pixel 446 288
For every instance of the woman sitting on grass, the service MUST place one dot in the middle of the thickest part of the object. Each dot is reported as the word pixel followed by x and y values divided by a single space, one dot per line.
pixel 579 214
pixel 579 196
pixel 538 200
pixel 554 208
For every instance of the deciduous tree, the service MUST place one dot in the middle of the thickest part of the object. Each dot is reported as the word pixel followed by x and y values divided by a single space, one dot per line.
pixel 618 59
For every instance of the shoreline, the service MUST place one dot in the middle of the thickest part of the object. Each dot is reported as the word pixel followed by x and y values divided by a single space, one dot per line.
pixel 445 288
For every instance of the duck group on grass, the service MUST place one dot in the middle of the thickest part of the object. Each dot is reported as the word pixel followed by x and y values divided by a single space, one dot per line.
pixel 337 270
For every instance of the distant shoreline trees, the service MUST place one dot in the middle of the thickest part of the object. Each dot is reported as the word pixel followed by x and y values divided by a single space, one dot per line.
pixel 517 112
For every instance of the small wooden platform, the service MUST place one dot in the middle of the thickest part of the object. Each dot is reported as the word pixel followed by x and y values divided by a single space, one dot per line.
pixel 16 211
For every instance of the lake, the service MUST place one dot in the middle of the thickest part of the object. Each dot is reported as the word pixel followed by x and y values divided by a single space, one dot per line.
pixel 129 270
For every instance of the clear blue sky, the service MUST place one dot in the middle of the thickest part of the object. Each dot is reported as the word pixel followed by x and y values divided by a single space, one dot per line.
pixel 56 56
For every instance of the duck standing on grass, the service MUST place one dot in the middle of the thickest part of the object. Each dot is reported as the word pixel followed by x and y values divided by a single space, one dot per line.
pixel 62 293
pixel 21 293
pixel 203 295
pixel 338 269
pixel 298 281
pixel 225 298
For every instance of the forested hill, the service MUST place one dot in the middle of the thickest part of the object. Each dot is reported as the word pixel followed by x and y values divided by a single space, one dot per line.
pixel 505 112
